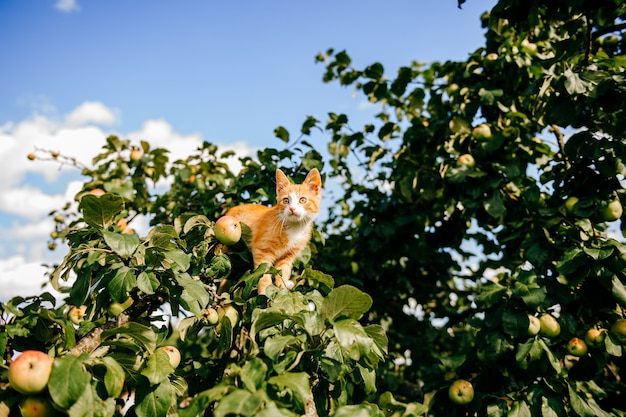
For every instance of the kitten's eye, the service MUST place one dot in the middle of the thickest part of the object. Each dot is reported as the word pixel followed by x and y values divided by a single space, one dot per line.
pixel 302 200
pixel 285 200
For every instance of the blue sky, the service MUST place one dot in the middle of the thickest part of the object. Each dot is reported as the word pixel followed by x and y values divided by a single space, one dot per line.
pixel 177 73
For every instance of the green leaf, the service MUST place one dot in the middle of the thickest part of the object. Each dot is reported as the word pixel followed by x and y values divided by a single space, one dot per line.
pixel 254 374
pixel 352 338
pixel 177 260
pixel 618 290
pixel 147 282
pixel 142 337
pixel 89 404
pixel 154 400
pixel 494 206
pixel 282 134
pixel 491 294
pixel 345 301
pixel 123 244
pixel 295 383
pixel 158 367
pixel 122 282
pixel 238 403
pixel 114 376
pixel 194 296
pixel 100 211
pixel 360 410
pixel 68 380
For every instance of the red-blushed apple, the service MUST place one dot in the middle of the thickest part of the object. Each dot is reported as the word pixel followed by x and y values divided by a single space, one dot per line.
pixel 173 353
pixel 618 331
pixel 227 230
pixel 595 337
pixel 135 154
pixel 534 325
pixel 482 132
pixel 461 392
pixel 77 314
pixel 466 160
pixel 211 315
pixel 36 406
pixel 577 347
pixel 549 326
pixel 29 373
pixel 612 211
pixel 97 192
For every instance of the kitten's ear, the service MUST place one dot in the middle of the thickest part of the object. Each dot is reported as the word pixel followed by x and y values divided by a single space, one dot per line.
pixel 281 181
pixel 314 180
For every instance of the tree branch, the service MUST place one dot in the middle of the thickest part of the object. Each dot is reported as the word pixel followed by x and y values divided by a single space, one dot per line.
pixel 560 139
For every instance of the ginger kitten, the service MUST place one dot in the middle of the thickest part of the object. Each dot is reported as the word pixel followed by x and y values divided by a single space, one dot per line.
pixel 279 233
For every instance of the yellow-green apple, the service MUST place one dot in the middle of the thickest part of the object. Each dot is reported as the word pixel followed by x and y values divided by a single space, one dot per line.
pixel 77 314
pixel 549 326
pixel 173 353
pixel 570 203
pixel 534 325
pixel 482 132
pixel 618 331
pixel 612 211
pixel 577 347
pixel 116 308
pixel 466 160
pixel 31 156
pixel 211 315
pixel 36 406
pixel 229 311
pixel 29 373
pixel 227 230
pixel 461 392
pixel 595 337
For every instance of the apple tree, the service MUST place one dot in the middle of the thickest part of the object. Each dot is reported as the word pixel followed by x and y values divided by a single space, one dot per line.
pixel 482 210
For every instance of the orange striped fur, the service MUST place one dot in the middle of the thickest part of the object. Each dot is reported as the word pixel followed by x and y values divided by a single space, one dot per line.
pixel 279 233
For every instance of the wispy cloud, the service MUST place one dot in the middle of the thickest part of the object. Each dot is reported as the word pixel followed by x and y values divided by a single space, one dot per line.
pixel 67 6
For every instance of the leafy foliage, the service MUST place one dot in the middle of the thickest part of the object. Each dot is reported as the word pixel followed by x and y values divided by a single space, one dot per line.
pixel 485 194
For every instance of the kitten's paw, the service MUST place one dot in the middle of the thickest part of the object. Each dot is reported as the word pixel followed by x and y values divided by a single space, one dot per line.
pixel 264 282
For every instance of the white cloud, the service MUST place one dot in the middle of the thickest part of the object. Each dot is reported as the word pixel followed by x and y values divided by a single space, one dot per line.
pixel 91 112
pixel 20 277
pixel 29 202
pixel 67 6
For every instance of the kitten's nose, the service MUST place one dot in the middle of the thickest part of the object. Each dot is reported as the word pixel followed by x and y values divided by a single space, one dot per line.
pixel 292 210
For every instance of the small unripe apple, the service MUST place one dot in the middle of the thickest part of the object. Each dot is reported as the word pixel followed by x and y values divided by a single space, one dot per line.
pixel 534 325
pixel 549 326
pixel 595 337
pixel 77 314
pixel 227 230
pixel 466 160
pixel 577 347
pixel 58 218
pixel 52 246
pixel 36 406
pixel 529 47
pixel 491 59
pixel 618 331
pixel 612 211
pixel 115 308
pixel 31 156
pixel 229 311
pixel 570 203
pixel 461 392
pixel 482 132
pixel 135 154
pixel 173 353
pixel 29 373
pixel 211 315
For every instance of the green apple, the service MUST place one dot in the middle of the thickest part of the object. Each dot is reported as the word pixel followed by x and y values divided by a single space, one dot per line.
pixel 618 331
pixel 549 326
pixel 29 373
pixel 529 47
pixel 115 308
pixel 612 211
pixel 577 347
pixel 595 337
pixel 461 392
pixel 211 315
pixel 227 230
pixel 35 406
pixel 570 203
pixel 173 353
pixel 490 59
pixel 228 311
pixel 534 325
pixel 482 132
pixel 466 160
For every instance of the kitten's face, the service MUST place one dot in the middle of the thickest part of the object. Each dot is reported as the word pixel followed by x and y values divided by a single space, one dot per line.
pixel 298 203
